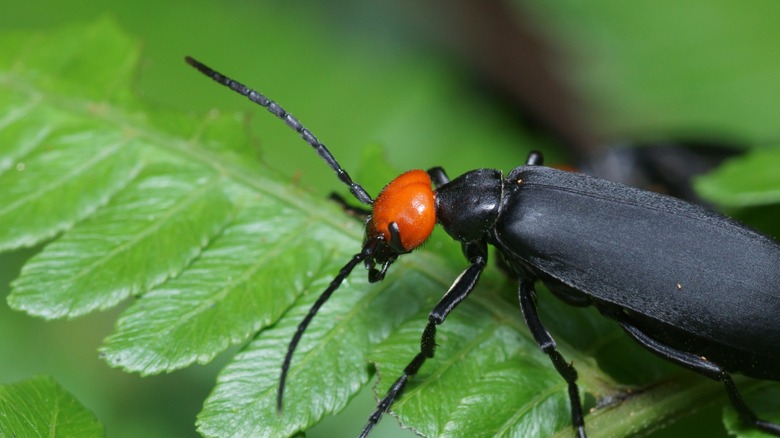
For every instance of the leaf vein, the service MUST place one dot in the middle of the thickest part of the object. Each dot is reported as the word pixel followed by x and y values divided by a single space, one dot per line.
pixel 58 182
pixel 153 227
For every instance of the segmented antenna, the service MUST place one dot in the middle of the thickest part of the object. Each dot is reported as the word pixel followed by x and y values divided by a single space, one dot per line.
pixel 357 190
pixel 365 253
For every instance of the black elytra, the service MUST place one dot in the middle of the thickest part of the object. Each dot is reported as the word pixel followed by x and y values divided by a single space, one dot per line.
pixel 692 286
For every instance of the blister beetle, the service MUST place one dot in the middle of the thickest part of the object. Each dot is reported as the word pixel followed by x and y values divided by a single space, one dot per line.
pixel 626 251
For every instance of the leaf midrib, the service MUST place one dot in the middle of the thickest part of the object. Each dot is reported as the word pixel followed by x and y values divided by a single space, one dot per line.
pixel 146 232
pixel 219 295
pixel 58 182
pixel 187 149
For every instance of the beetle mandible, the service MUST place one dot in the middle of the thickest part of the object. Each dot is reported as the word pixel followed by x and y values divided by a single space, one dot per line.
pixel 592 242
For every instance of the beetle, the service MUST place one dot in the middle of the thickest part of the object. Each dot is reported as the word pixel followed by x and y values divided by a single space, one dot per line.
pixel 690 285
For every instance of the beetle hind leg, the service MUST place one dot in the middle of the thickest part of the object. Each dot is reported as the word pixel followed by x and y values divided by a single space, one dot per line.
pixel 526 294
pixel 705 368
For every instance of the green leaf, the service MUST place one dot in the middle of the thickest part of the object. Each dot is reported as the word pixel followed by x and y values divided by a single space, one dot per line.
pixel 482 381
pixel 148 232
pixel 62 62
pixel 242 282
pixel 329 365
pixel 729 186
pixel 63 180
pixel 39 407
pixel 766 400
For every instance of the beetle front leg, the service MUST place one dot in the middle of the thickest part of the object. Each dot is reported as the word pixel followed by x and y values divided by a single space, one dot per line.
pixel 463 285
pixel 703 367
pixel 527 294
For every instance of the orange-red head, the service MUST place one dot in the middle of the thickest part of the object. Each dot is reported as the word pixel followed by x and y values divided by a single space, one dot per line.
pixel 409 202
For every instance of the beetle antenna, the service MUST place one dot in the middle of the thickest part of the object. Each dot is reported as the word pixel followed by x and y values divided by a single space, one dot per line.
pixel 357 190
pixel 367 251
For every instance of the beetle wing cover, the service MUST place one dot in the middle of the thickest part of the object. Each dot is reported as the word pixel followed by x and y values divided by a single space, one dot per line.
pixel 660 257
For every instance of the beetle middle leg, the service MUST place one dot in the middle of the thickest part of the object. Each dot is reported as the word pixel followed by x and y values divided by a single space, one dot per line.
pixel 527 294
pixel 705 368
pixel 359 212
pixel 460 289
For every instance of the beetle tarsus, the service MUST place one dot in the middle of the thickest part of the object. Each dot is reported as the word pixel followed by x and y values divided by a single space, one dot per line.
pixel 459 290
pixel 526 294
pixel 704 367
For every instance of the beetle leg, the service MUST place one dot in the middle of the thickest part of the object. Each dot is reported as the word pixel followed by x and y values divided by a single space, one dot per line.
pixel 527 295
pixel 362 213
pixel 459 290
pixel 535 158
pixel 705 368
pixel 395 238
pixel 374 274
pixel 438 176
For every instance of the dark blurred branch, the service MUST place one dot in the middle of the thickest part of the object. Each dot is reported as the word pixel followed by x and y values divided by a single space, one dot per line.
pixel 501 43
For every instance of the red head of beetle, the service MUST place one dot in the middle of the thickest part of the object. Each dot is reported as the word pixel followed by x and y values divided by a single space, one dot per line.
pixel 409 202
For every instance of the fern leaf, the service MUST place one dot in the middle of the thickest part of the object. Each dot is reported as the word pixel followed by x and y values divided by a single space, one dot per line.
pixel 39 407
pixel 70 177
pixel 148 232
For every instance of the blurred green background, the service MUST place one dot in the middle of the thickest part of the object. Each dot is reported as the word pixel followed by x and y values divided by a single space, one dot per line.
pixel 430 84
